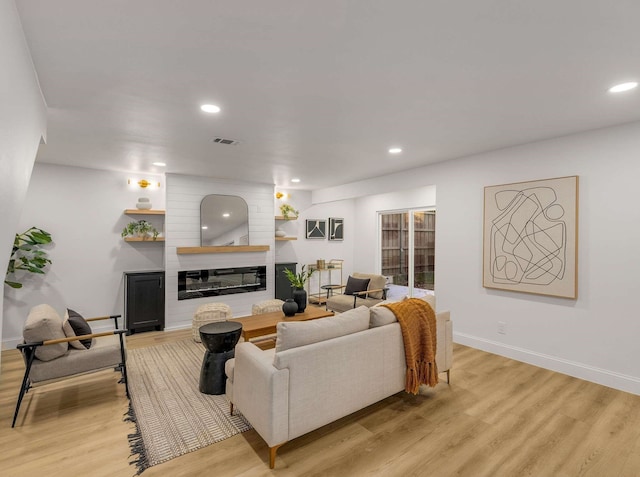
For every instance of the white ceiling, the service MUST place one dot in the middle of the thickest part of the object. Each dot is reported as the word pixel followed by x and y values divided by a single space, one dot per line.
pixel 321 89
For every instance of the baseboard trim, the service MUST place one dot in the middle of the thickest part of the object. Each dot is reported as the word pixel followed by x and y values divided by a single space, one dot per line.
pixel 10 343
pixel 622 382
pixel 178 326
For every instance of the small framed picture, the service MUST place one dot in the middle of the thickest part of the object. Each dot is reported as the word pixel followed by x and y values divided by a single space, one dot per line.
pixel 336 228
pixel 316 229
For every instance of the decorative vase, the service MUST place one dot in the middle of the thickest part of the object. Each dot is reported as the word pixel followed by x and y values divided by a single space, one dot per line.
pixel 289 307
pixel 143 203
pixel 300 297
pixel 280 233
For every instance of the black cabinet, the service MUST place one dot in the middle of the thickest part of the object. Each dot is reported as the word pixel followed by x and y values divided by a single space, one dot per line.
pixel 144 301
pixel 283 285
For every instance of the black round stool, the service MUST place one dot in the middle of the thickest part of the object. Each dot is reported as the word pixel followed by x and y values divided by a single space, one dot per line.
pixel 220 339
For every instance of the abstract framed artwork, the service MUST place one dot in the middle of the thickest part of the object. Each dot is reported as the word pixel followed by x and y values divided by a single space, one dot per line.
pixel 316 229
pixel 336 228
pixel 531 237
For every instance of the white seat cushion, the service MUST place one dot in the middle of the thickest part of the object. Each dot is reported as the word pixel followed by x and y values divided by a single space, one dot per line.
pixel 105 353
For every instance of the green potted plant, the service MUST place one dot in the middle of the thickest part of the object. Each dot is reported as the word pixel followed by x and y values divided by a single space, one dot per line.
pixel 298 280
pixel 287 209
pixel 140 228
pixel 27 254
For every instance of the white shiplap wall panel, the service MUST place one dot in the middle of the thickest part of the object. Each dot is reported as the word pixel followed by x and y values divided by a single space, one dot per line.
pixel 184 194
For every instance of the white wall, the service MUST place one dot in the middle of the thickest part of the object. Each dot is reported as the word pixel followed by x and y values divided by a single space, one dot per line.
pixel 83 209
pixel 306 251
pixel 594 337
pixel 22 124
pixel 366 256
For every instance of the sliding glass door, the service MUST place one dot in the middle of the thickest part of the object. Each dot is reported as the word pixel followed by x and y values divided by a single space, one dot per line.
pixel 407 251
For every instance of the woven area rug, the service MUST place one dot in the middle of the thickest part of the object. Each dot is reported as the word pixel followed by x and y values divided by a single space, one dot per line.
pixel 172 416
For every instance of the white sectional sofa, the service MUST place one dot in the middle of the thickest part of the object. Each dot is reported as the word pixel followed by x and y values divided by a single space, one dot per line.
pixel 323 370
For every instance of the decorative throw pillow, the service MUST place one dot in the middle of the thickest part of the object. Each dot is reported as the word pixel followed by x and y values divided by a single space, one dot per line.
pixel 44 323
pixel 75 325
pixel 431 299
pixel 69 333
pixel 380 316
pixel 356 285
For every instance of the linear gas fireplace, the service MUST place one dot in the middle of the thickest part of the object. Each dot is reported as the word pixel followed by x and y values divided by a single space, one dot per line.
pixel 221 281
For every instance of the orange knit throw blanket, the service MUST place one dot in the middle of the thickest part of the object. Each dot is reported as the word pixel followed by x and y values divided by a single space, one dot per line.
pixel 418 324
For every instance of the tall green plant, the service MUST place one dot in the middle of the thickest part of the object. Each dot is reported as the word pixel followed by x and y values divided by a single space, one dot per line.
pixel 298 280
pixel 27 254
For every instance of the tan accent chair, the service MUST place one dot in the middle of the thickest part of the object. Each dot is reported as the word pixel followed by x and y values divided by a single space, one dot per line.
pixel 48 356
pixel 376 292
pixel 209 313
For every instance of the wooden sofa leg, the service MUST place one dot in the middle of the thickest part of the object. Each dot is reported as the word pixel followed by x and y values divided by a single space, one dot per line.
pixel 231 408
pixel 272 455
pixel 448 376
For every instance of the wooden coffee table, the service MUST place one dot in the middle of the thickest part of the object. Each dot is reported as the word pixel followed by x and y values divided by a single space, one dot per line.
pixel 265 324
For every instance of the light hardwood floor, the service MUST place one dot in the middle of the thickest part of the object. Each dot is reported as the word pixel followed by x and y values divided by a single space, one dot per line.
pixel 497 418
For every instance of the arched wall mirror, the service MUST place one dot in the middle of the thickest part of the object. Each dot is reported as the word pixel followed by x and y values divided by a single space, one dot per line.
pixel 224 220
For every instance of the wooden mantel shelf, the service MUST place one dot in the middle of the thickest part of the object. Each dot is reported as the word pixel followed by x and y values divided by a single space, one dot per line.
pixel 222 249
pixel 144 212
pixel 140 239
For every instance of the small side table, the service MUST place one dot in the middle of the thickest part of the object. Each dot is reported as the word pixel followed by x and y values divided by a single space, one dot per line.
pixel 330 289
pixel 220 339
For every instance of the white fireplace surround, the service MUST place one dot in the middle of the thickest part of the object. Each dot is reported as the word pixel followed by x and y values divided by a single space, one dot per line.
pixel 182 225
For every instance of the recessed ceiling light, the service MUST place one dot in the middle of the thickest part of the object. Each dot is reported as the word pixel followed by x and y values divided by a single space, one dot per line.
pixel 204 227
pixel 210 108
pixel 619 88
pixel 226 214
pixel 295 179
pixel 159 164
pixel 395 150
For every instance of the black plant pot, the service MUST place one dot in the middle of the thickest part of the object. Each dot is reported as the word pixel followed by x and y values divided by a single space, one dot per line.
pixel 300 297
pixel 289 307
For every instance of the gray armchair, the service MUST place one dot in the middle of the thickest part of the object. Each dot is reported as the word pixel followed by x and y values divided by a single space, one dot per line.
pixel 375 293
pixel 48 355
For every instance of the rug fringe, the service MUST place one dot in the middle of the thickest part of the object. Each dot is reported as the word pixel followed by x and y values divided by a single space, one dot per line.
pixel 136 444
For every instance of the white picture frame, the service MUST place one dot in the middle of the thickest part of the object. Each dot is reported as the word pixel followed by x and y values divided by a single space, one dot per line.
pixel 336 229
pixel 316 229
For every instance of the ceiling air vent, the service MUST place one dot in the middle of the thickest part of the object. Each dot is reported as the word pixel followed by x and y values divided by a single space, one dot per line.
pixel 225 140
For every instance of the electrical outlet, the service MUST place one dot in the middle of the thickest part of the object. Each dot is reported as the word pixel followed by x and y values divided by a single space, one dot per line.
pixel 502 328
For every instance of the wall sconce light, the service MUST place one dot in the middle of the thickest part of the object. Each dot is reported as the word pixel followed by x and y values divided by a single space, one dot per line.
pixel 143 183
pixel 282 195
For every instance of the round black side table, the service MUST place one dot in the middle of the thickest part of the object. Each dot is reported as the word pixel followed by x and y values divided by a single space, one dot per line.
pixel 220 339
pixel 330 289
